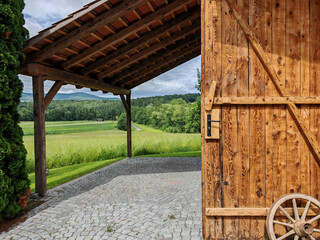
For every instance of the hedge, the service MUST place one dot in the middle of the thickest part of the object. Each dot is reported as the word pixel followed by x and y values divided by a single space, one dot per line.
pixel 14 180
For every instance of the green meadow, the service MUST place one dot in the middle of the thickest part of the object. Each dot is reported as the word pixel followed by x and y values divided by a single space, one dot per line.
pixel 80 142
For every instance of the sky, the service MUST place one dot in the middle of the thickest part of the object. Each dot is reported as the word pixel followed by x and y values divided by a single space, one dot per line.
pixel 40 14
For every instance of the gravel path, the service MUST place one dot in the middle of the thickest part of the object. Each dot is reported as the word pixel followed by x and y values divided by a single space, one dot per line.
pixel 137 198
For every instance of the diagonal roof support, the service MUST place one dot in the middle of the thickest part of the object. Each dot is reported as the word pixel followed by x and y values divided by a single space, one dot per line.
pixel 119 36
pixel 86 29
pixel 36 69
pixel 193 15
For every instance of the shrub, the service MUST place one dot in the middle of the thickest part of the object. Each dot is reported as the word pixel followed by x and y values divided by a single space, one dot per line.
pixel 13 175
pixel 122 122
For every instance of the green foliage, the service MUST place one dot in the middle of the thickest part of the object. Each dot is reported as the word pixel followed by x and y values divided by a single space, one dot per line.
pixel 13 175
pixel 198 85
pixel 122 122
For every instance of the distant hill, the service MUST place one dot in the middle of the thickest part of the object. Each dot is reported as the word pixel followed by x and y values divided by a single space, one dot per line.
pixel 28 97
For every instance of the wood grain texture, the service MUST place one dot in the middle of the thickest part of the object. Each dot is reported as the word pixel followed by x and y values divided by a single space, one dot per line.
pixel 39 135
pixel 293 89
pixel 229 120
pixel 257 121
pixel 315 88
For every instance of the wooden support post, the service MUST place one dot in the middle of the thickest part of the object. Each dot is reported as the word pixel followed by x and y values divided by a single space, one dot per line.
pixel 129 135
pixel 39 135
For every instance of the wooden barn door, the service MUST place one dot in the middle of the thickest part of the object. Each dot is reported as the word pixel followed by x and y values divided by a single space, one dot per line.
pixel 260 110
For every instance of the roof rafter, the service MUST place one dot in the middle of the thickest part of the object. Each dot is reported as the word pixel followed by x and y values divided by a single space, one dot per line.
pixel 126 32
pixel 148 51
pixel 189 48
pixel 150 62
pixel 36 69
pixel 86 29
pixel 166 68
pixel 142 41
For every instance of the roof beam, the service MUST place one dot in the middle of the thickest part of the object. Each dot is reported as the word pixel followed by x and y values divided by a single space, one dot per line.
pixel 50 73
pixel 140 42
pixel 123 34
pixel 166 68
pixel 163 62
pixel 146 52
pixel 85 30
pixel 150 62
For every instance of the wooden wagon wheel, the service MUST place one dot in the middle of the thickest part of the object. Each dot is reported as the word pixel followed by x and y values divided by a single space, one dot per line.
pixel 297 225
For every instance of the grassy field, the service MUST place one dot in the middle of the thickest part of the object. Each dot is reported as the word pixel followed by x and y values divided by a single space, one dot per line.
pixel 70 143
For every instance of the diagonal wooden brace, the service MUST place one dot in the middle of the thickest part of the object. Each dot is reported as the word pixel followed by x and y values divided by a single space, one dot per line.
pixel 266 63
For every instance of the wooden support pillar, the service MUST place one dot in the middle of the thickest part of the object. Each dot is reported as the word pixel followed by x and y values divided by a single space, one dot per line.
pixel 129 134
pixel 127 106
pixel 39 135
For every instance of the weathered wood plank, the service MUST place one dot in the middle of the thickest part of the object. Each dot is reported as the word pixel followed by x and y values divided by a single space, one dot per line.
pixel 266 100
pixel 55 74
pixel 279 175
pixel 257 84
pixel 229 120
pixel 293 89
pixel 305 92
pixel 315 88
pixel 39 135
pixel 52 93
pixel 253 212
pixel 211 71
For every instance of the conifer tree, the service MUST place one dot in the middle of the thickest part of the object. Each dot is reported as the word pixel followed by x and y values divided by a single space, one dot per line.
pixel 14 180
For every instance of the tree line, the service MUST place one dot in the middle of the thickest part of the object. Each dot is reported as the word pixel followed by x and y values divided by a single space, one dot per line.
pixel 171 113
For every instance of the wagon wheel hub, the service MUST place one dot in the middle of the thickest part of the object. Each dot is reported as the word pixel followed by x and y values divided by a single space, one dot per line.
pixel 302 228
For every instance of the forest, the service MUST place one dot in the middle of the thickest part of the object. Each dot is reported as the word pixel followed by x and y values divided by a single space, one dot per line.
pixel 170 113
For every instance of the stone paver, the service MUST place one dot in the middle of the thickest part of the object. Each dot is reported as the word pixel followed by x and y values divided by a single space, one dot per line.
pixel 138 198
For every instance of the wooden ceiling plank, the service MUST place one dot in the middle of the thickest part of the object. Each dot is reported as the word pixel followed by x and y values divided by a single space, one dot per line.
pixel 71 50
pixel 50 73
pixel 95 35
pixel 85 30
pixel 137 14
pixel 150 5
pixel 148 51
pixel 140 42
pixel 84 43
pixel 123 22
pixel 123 34
pixel 109 28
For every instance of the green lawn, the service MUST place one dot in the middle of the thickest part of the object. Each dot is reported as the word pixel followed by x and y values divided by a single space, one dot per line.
pixel 91 146
pixel 80 147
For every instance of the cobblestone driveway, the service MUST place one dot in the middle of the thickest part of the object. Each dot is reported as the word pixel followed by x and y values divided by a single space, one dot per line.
pixel 138 198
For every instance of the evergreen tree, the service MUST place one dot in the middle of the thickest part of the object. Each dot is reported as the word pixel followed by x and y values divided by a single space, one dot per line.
pixel 13 175
pixel 122 122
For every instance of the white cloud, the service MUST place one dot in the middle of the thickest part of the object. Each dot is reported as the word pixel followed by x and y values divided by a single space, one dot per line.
pixel 40 14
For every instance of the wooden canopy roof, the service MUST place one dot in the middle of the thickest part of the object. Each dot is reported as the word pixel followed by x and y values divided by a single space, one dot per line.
pixel 116 45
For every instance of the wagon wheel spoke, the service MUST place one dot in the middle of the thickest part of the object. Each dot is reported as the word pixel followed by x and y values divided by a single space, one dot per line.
pixel 314 219
pixel 312 238
pixel 316 230
pixel 287 214
pixel 286 235
pixel 295 209
pixel 305 211
pixel 283 224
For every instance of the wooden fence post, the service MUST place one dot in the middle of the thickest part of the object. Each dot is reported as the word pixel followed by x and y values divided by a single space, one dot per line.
pixel 39 135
